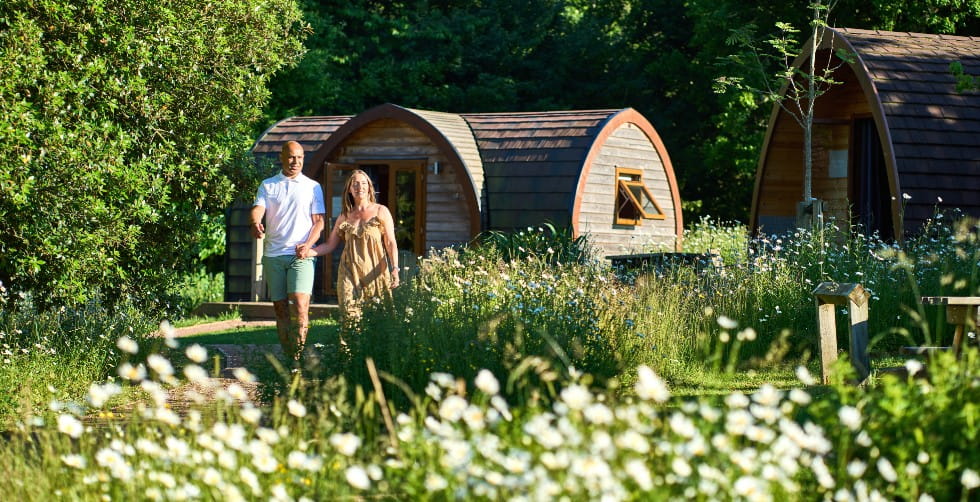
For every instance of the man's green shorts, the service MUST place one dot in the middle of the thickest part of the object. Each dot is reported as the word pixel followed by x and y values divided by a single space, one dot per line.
pixel 287 274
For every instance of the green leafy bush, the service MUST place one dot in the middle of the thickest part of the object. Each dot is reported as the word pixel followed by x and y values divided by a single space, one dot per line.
pixel 195 289
pixel 472 309
pixel 123 124
pixel 546 242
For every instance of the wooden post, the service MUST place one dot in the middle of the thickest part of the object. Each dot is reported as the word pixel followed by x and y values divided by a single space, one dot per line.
pixel 827 326
pixel 860 359
pixel 852 295
pixel 258 277
pixel 961 311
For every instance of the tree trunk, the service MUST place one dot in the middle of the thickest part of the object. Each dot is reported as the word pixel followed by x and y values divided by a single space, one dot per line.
pixel 808 119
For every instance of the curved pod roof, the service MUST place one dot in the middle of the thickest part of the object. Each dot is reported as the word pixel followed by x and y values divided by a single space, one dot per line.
pixel 308 131
pixel 540 162
pixel 521 169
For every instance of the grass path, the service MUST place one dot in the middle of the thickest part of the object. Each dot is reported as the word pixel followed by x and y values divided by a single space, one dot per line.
pixel 234 344
pixel 218 326
pixel 231 356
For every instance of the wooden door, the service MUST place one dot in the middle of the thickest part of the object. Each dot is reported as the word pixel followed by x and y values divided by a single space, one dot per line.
pixel 870 192
pixel 400 186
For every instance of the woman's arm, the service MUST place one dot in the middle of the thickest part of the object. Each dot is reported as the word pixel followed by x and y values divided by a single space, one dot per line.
pixel 326 247
pixel 391 247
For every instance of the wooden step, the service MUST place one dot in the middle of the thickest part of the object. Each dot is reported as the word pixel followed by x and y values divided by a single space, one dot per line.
pixel 253 311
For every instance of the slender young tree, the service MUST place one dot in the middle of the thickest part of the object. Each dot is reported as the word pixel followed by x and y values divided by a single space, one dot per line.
pixel 800 78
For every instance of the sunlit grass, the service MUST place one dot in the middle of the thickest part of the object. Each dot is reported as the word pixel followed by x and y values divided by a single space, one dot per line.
pixel 321 331
pixel 193 320
pixel 526 376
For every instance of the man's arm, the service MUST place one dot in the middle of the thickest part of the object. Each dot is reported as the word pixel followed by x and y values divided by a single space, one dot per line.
pixel 325 248
pixel 314 234
pixel 255 221
pixel 316 214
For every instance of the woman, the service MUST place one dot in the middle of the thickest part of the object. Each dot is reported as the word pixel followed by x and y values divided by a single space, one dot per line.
pixel 369 263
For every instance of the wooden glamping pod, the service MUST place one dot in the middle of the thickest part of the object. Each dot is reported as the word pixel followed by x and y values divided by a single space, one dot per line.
pixel 447 177
pixel 891 144
pixel 604 173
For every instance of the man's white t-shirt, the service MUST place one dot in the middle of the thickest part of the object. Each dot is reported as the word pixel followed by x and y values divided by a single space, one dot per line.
pixel 289 204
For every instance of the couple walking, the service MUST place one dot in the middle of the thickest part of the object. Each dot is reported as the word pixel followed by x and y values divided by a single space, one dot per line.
pixel 293 208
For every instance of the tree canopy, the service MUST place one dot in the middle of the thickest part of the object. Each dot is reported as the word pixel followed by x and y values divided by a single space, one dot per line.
pixel 123 125
pixel 658 56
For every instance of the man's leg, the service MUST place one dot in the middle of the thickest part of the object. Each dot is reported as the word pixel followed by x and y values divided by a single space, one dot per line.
pixel 300 288
pixel 300 303
pixel 282 326
pixel 275 270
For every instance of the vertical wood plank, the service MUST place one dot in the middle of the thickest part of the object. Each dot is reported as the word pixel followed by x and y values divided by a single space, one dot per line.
pixel 258 277
pixel 828 339
pixel 860 359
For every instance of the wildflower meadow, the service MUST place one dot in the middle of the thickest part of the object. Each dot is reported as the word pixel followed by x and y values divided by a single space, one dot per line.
pixel 524 367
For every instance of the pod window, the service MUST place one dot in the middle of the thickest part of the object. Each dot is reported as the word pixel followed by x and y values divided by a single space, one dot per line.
pixel 634 202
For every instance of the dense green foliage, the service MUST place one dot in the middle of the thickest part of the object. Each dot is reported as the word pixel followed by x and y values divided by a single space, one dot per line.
pixel 123 124
pixel 658 56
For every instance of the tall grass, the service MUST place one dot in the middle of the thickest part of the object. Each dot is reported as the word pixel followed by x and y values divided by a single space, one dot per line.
pixel 769 285
pixel 471 309
pixel 491 306
pixel 53 355
pixel 518 375
pixel 457 443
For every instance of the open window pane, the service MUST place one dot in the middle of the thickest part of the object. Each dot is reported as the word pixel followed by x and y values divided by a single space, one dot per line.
pixel 628 210
pixel 644 200
pixel 626 206
pixel 634 202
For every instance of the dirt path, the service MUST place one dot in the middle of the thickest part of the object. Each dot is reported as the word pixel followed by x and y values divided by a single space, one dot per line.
pixel 234 356
pixel 212 327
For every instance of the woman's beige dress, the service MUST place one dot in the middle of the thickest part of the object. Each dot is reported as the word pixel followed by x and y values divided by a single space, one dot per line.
pixel 363 272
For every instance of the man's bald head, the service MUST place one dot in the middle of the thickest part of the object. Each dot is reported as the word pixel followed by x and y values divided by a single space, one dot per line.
pixel 289 147
pixel 292 159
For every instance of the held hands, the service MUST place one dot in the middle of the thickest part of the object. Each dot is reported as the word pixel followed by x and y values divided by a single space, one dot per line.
pixel 304 251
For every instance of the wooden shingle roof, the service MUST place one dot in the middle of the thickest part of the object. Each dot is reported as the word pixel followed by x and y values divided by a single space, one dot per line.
pixel 535 159
pixel 933 131
pixel 460 139
pixel 308 131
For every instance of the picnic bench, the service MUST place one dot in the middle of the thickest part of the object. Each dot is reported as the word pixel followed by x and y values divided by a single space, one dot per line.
pixel 962 312
pixel 660 261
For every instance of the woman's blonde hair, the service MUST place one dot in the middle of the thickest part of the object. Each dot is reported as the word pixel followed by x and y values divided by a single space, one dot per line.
pixel 348 198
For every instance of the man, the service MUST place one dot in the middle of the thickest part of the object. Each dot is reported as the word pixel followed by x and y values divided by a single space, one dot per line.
pixel 292 205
